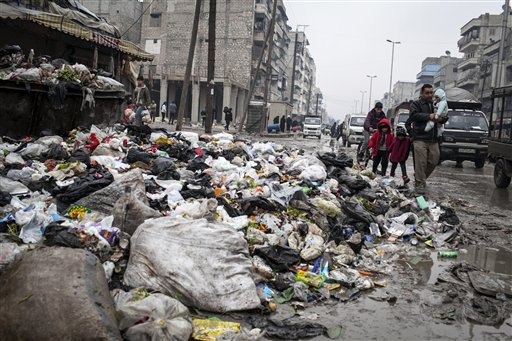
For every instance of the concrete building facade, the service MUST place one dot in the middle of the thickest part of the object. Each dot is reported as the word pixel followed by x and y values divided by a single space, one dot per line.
pixel 447 75
pixel 403 92
pixel 429 69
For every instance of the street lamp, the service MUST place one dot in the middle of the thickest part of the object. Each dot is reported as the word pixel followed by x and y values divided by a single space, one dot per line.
pixel 371 84
pixel 391 76
pixel 362 99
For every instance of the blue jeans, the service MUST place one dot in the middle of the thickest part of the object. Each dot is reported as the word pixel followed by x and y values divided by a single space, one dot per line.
pixel 138 115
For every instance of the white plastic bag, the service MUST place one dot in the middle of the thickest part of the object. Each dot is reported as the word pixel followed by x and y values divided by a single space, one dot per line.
pixel 164 318
pixel 314 173
pixel 13 159
pixel 206 264
pixel 12 187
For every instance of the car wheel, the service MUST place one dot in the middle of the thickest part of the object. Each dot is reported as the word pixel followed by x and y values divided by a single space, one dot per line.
pixel 480 163
pixel 501 180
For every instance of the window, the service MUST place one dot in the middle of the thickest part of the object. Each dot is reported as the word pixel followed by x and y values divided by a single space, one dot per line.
pixel 155 19
pixel 153 45
pixel 455 70
pixel 492 31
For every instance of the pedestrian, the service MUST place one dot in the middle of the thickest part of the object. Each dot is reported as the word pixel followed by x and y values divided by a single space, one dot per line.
pixel 288 123
pixel 163 111
pixel 370 126
pixel 142 99
pixel 399 153
pixel 282 124
pixel 173 111
pixel 228 117
pixel 380 143
pixel 426 151
pixel 152 110
pixel 334 130
pixel 276 119
pixel 203 116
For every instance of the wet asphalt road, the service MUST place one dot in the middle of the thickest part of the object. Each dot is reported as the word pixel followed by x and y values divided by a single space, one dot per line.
pixel 468 183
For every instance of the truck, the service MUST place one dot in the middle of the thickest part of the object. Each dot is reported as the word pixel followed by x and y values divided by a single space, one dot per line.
pixel 500 136
pixel 312 126
pixel 352 132
pixel 465 134
pixel 399 114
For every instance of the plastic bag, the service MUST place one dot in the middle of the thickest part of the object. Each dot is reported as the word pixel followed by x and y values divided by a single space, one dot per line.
pixel 82 155
pixel 13 159
pixel 314 174
pixel 156 317
pixel 135 155
pixel 208 330
pixel 33 150
pixel 289 329
pixel 280 258
pixel 129 212
pixel 12 187
pixel 220 280
pixel 57 152
pixel 330 208
pixel 223 165
pixel 341 160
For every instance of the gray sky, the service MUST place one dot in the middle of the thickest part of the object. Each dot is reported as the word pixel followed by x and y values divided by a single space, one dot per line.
pixel 348 41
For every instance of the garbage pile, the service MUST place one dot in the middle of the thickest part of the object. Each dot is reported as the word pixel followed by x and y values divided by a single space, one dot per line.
pixel 15 65
pixel 214 223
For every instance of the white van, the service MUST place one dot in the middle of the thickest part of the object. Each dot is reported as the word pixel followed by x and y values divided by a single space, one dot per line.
pixel 352 132
pixel 312 126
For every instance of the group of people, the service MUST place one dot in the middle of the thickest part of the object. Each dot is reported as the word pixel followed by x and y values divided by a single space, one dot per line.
pixel 422 134
pixel 285 123
pixel 141 101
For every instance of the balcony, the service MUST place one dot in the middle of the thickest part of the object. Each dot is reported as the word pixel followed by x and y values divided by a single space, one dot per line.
pixel 467 78
pixel 468 44
pixel 472 24
pixel 259 36
pixel 468 63
pixel 262 8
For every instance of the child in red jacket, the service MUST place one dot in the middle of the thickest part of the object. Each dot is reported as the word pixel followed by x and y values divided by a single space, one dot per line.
pixel 381 143
pixel 400 152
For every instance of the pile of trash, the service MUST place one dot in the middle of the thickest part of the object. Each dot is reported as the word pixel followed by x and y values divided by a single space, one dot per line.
pixel 15 65
pixel 218 224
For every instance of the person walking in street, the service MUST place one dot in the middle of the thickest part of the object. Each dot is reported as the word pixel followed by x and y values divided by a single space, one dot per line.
pixel 399 153
pixel 173 111
pixel 370 126
pixel 228 116
pixel 426 151
pixel 380 143
pixel 163 111
pixel 282 124
pixel 142 99
pixel 288 123
pixel 276 119
pixel 152 111
pixel 203 116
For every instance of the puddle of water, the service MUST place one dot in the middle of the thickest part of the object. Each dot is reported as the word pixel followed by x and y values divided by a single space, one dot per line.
pixel 430 268
pixel 496 259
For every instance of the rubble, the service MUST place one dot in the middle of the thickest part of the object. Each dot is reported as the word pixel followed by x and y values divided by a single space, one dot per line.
pixel 214 223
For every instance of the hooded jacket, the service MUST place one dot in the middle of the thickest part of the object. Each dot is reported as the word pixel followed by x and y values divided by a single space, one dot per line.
pixel 376 137
pixel 442 106
pixel 373 119
pixel 399 150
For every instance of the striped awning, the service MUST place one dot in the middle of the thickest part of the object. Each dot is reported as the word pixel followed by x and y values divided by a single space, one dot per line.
pixel 68 26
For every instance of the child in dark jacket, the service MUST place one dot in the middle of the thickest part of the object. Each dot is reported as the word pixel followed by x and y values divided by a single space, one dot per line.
pixel 400 152
pixel 381 143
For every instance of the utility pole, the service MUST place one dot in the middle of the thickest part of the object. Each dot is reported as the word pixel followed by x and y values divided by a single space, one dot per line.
pixel 266 93
pixel 253 81
pixel 317 98
pixel 371 85
pixel 362 100
pixel 211 66
pixel 391 75
pixel 504 28
pixel 188 71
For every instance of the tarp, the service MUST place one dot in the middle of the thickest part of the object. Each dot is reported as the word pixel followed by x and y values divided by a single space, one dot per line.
pixel 68 26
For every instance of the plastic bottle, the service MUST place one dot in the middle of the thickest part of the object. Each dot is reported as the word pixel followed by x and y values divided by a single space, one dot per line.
pixel 449 254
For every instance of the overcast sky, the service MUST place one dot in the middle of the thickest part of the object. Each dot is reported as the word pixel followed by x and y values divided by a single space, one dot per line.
pixel 348 41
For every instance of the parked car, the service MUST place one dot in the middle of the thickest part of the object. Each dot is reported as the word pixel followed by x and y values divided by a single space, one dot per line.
pixel 352 132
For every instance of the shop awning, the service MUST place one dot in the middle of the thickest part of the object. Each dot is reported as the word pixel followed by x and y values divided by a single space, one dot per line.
pixel 68 26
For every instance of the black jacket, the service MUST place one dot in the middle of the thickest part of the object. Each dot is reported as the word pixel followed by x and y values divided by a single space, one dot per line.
pixel 419 115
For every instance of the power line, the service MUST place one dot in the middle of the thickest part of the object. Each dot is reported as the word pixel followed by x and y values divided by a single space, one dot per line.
pixel 136 21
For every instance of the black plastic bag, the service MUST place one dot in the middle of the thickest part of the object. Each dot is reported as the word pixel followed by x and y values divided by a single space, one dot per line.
pixel 250 205
pixel 232 211
pixel 341 160
pixel 182 152
pixel 162 164
pixel 5 198
pixel 135 155
pixel 81 155
pixel 170 174
pixel 340 233
pixel 58 235
pixel 355 183
pixel 449 216
pixel 354 210
pixel 57 152
pixel 279 258
pixel 288 329
pixel 201 193
pixel 380 207
pixel 84 185
pixel 152 187
pixel 197 165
